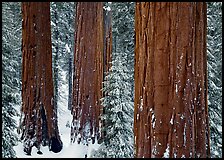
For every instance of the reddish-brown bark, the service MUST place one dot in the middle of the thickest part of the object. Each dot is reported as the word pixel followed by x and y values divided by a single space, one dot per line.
pixel 88 70
pixel 40 121
pixel 170 80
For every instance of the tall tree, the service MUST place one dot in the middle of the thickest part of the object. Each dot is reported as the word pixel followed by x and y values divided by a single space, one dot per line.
pixel 70 69
pixel 117 101
pixel 123 34
pixel 214 50
pixel 171 112
pixel 118 112
pixel 11 75
pixel 88 71
pixel 107 35
pixel 62 25
pixel 55 50
pixel 40 117
pixel 107 55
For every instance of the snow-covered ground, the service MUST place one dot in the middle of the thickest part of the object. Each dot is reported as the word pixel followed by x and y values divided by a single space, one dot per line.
pixel 69 150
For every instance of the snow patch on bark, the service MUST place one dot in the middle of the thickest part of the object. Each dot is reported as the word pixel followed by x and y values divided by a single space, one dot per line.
pixel 166 153
pixel 141 105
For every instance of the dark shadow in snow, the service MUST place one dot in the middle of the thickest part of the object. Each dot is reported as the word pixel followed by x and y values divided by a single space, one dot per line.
pixel 55 145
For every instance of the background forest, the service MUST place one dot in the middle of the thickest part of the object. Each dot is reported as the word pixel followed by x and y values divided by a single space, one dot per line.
pixel 118 86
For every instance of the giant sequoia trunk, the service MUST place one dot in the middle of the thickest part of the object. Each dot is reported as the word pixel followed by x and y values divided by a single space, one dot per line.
pixel 40 118
pixel 88 71
pixel 171 114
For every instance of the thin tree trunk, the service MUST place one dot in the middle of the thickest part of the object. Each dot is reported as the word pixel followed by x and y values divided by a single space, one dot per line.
pixel 170 80
pixel 56 60
pixel 107 41
pixel 40 121
pixel 70 74
pixel 107 16
pixel 70 81
pixel 88 73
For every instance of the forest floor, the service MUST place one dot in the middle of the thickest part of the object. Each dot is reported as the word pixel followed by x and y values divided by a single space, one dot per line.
pixel 69 150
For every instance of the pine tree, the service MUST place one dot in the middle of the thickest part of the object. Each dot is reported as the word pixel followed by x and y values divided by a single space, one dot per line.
pixel 107 55
pixel 9 138
pixel 62 24
pixel 123 33
pixel 55 56
pixel 171 110
pixel 118 87
pixel 214 50
pixel 118 112
pixel 11 76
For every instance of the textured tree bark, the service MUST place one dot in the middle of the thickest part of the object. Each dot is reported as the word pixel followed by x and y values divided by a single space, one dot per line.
pixel 40 121
pixel 170 80
pixel 88 71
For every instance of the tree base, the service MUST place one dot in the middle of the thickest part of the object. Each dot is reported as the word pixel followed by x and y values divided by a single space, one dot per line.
pixel 28 151
pixel 55 145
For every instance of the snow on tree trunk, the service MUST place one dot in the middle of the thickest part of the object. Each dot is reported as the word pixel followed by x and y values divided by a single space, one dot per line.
pixel 88 71
pixel 171 113
pixel 40 121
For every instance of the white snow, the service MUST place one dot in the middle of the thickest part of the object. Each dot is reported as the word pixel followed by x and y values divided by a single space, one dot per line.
pixel 52 100
pixel 107 8
pixel 137 116
pixel 69 151
pixel 67 48
pixel 153 121
pixel 185 125
pixel 171 120
pixel 181 57
pixel 175 155
pixel 219 128
pixel 166 153
pixel 176 88
pixel 141 105
pixel 182 117
pixel 183 156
